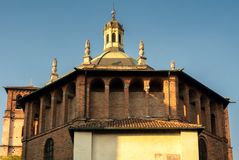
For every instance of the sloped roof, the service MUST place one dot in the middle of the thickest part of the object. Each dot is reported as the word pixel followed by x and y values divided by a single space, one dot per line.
pixel 20 88
pixel 114 58
pixel 136 124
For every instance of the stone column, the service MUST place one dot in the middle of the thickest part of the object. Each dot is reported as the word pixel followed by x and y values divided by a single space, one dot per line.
pixel 53 110
pixel 126 93
pixel 107 95
pixel 208 115
pixel 198 109
pixel 186 102
pixel 42 116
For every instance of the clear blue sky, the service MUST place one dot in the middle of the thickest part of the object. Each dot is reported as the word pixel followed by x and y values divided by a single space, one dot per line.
pixel 201 36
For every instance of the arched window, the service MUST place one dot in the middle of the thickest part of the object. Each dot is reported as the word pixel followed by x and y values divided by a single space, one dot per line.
pixel 49 149
pixel 120 38
pixel 213 124
pixel 107 38
pixel 113 37
pixel 202 149
pixel 18 105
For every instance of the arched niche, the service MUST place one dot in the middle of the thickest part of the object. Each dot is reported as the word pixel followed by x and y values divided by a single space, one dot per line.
pixel 59 108
pixel 97 99
pixel 47 112
pixel 202 149
pixel 136 98
pixel 213 117
pixel 35 117
pixel 116 98
pixel 156 105
pixel 203 100
pixel 192 105
pixel 18 105
pixel 71 102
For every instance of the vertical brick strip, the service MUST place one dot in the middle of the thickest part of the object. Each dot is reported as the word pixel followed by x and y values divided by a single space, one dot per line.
pixel 186 102
pixel 107 95
pixel 126 93
pixel 30 120
pixel 64 105
pixel 227 130
pixel 80 95
pixel 41 115
pixel 25 129
pixel 198 109
pixel 53 110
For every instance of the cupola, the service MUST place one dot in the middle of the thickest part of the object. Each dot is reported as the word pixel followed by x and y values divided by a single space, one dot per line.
pixel 113 35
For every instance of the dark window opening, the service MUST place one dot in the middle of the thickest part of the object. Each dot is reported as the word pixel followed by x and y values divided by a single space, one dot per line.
pixel 116 85
pixel 119 38
pixel 49 149
pixel 202 150
pixel 113 37
pixel 213 124
pixel 107 38
pixel 97 85
pixel 136 85
pixel 18 105
pixel 156 86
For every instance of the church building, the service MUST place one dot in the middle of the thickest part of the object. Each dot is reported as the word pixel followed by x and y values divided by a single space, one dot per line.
pixel 115 107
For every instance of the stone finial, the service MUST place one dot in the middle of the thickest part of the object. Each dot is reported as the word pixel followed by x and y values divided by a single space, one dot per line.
pixel 87 58
pixel 141 59
pixel 87 48
pixel 141 49
pixel 113 13
pixel 54 74
pixel 173 65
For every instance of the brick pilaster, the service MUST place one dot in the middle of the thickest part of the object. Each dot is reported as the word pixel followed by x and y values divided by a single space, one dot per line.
pixel 42 116
pixel 126 93
pixel 64 105
pixel 53 110
pixel 186 102
pixel 198 109
pixel 107 95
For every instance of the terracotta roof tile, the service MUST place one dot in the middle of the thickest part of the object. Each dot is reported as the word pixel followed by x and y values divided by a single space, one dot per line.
pixel 135 123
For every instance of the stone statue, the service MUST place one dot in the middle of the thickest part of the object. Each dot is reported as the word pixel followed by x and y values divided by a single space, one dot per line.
pixel 173 65
pixel 141 49
pixel 54 74
pixel 87 48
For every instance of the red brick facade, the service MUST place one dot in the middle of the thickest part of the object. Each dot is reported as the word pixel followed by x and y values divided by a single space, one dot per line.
pixel 111 97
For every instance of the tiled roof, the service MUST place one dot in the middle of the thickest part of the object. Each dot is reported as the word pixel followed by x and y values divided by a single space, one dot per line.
pixel 133 123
